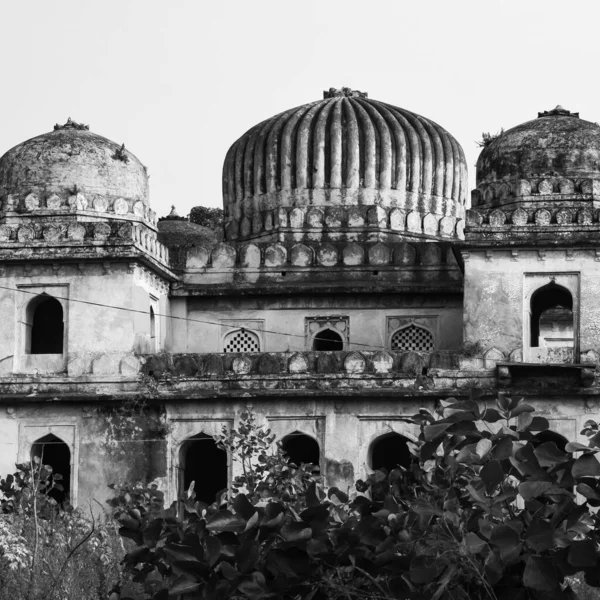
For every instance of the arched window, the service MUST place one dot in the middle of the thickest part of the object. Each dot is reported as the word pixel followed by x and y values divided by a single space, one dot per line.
pixel 152 329
pixel 45 326
pixel 327 340
pixel 52 451
pixel 389 451
pixel 412 337
pixel 241 340
pixel 552 317
pixel 203 462
pixel 301 449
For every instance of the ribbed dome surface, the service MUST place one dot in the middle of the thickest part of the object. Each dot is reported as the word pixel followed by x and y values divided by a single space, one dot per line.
pixel 72 158
pixel 556 144
pixel 345 149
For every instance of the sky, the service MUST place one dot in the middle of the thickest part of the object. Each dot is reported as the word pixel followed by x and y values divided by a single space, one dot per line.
pixel 178 81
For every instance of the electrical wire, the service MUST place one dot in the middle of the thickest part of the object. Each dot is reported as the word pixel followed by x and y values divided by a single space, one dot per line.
pixel 178 318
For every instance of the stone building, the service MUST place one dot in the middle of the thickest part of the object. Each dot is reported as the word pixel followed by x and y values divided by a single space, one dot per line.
pixel 350 285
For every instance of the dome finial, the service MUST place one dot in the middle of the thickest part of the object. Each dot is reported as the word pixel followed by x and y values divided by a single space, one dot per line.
pixel 70 124
pixel 559 111
pixel 344 92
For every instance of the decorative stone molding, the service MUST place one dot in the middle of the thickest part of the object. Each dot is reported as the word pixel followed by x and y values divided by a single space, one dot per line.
pixel 225 256
pixel 501 191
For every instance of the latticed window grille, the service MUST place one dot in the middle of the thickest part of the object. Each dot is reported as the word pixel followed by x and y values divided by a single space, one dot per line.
pixel 241 340
pixel 414 338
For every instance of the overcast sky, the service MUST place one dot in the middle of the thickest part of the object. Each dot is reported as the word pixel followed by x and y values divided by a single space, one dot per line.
pixel 179 81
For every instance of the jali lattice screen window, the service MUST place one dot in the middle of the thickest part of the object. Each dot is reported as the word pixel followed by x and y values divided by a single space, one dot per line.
pixel 241 340
pixel 413 338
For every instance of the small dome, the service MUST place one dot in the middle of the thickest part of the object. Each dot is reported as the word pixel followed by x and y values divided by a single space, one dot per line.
pixel 552 154
pixel 71 159
pixel 347 150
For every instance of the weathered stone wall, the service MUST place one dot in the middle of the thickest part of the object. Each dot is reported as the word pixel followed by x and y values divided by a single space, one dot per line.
pixel 495 303
pixel 93 331
pixel 370 319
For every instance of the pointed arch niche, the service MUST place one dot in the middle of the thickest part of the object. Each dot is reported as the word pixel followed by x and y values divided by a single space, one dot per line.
pixel 201 461
pixel 301 449
pixel 42 333
pixel 191 449
pixel 59 445
pixel 53 451
pixel 382 442
pixel 551 318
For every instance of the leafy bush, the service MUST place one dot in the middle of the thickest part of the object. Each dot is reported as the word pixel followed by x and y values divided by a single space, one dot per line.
pixel 488 509
pixel 50 552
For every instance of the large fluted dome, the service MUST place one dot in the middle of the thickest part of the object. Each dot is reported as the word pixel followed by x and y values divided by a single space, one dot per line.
pixel 71 160
pixel 344 150
pixel 555 155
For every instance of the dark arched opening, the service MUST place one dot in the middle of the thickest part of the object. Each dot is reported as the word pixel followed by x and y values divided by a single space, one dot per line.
pixel 204 463
pixel 328 341
pixel 152 330
pixel 52 451
pixel 301 449
pixel 46 331
pixel 390 451
pixel 552 316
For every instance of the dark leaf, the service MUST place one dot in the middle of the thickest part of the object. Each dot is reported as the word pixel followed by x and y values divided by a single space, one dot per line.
pixel 242 506
pixel 575 447
pixel 540 535
pixel 503 449
pixel 431 432
pixel 228 571
pixel 541 575
pixel 504 537
pixel 213 549
pixel 180 552
pixel 295 532
pixel 549 455
pixel 582 554
pixel 524 420
pixel 492 475
pixel 539 424
pixel 491 415
pixel 253 587
pixel 474 543
pixel 586 466
pixel 520 409
pixel 424 569
pixel 183 585
pixel 224 520
pixel 311 495
pixel 503 402
pixel 152 533
pixel 533 489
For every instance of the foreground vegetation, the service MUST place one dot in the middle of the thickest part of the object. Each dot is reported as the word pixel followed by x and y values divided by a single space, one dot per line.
pixel 489 508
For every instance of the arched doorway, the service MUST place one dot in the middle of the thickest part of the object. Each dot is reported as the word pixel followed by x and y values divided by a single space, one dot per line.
pixel 388 452
pixel 301 449
pixel 51 450
pixel 44 320
pixel 202 461
pixel 552 322
pixel 328 340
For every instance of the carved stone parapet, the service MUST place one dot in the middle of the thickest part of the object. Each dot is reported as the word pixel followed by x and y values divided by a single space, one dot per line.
pixel 225 256
pixel 331 219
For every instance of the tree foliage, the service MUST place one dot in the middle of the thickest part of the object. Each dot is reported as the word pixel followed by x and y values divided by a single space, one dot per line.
pixel 488 509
